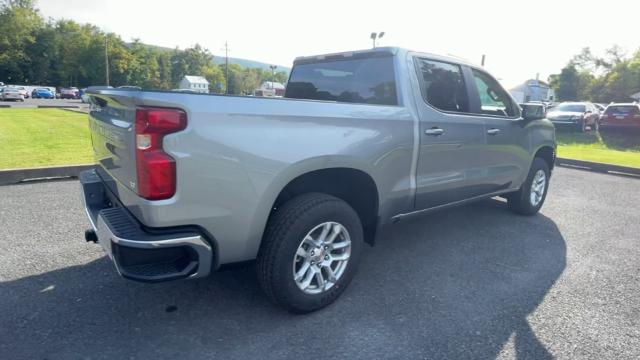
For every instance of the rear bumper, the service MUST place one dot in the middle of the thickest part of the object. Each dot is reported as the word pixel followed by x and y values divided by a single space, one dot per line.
pixel 140 253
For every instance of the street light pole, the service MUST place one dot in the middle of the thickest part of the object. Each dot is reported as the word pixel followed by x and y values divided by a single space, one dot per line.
pixel 375 36
pixel 273 74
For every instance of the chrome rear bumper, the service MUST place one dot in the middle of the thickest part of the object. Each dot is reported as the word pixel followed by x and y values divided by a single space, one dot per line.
pixel 142 254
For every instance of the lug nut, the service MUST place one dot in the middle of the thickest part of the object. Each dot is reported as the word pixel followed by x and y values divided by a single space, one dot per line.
pixel 313 252
pixel 326 257
pixel 313 263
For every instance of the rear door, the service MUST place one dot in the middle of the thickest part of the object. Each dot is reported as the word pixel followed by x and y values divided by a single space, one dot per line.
pixel 452 140
pixel 506 155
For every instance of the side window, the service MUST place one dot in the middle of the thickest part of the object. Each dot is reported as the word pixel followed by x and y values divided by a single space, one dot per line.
pixel 443 85
pixel 494 100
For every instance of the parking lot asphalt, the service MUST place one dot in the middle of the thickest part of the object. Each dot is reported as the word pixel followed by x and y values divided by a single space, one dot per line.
pixel 33 103
pixel 471 282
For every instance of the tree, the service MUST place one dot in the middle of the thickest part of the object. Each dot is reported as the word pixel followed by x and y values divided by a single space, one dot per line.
pixel 66 53
pixel 191 61
pixel 19 22
pixel 215 76
pixel 567 83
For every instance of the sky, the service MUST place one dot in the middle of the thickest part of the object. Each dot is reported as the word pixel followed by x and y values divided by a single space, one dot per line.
pixel 520 39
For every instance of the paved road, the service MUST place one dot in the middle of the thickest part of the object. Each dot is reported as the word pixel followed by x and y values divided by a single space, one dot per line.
pixel 32 103
pixel 473 282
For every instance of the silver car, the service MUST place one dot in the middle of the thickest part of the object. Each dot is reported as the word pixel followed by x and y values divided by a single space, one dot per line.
pixel 11 93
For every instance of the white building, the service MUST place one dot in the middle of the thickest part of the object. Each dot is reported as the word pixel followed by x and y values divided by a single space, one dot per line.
pixel 533 90
pixel 194 83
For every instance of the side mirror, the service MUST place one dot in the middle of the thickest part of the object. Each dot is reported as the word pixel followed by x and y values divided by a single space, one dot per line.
pixel 533 111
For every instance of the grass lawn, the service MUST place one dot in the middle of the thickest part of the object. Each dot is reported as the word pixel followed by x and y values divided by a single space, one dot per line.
pixel 611 147
pixel 43 137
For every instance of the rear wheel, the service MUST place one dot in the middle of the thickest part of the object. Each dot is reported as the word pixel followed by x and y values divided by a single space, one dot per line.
pixel 533 192
pixel 582 126
pixel 310 252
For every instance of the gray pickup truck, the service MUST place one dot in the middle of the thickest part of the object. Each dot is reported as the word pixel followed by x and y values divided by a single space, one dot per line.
pixel 188 183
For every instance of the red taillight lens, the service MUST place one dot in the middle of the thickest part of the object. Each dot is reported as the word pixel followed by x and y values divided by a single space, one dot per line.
pixel 156 170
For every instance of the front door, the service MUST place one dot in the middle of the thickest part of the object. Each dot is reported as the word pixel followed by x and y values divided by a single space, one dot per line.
pixel 452 140
pixel 506 156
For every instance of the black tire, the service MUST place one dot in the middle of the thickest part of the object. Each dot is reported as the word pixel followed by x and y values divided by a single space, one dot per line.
pixel 582 126
pixel 520 201
pixel 285 231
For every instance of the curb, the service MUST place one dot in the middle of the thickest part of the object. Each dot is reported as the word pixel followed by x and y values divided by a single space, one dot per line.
pixel 599 167
pixel 15 176
pixel 58 107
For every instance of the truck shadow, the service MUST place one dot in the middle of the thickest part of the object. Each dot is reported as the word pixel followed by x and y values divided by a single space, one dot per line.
pixel 456 284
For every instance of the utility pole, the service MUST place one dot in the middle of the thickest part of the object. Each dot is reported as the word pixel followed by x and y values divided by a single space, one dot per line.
pixel 482 62
pixel 106 59
pixel 226 67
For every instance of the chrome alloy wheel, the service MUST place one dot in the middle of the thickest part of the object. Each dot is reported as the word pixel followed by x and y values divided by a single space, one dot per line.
pixel 537 187
pixel 321 258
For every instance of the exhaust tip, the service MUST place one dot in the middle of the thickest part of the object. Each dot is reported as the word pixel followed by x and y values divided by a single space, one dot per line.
pixel 91 236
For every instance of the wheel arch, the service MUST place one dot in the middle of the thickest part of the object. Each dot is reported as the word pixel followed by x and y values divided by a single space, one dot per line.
pixel 546 153
pixel 354 186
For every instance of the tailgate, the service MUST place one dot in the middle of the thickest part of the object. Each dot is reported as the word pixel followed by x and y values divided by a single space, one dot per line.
pixel 111 121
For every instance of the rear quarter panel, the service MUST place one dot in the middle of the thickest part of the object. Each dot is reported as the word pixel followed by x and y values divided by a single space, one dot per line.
pixel 238 153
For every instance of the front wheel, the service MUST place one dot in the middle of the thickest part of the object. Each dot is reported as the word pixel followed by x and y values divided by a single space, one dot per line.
pixel 533 192
pixel 310 252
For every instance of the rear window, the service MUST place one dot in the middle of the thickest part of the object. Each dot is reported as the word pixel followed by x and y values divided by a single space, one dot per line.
pixel 571 107
pixel 623 110
pixel 364 80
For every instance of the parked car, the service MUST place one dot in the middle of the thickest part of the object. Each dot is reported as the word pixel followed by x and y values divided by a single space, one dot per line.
pixel 42 93
pixel 69 93
pixel 361 140
pixel 621 115
pixel 580 116
pixel 24 92
pixel 12 93
pixel 600 107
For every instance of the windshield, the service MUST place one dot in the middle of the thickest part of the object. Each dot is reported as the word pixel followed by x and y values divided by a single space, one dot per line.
pixel 571 108
pixel 624 110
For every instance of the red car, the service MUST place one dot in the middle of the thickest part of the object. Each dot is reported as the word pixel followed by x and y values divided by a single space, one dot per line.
pixel 621 115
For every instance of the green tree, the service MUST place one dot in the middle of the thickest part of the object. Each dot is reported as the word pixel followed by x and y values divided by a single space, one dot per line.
pixel 567 84
pixel 19 22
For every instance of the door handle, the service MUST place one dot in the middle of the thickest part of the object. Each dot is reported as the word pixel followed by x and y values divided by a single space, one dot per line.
pixel 434 131
pixel 493 132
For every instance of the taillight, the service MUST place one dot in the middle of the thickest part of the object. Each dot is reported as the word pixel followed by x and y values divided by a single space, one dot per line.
pixel 156 170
